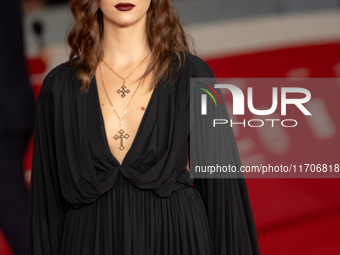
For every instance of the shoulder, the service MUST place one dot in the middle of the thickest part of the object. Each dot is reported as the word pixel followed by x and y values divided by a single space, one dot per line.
pixel 194 67
pixel 198 67
pixel 56 77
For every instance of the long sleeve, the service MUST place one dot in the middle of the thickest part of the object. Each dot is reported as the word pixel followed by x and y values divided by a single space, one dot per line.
pixel 47 207
pixel 226 198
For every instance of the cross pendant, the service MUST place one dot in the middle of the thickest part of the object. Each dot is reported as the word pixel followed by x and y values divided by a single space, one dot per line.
pixel 121 136
pixel 123 91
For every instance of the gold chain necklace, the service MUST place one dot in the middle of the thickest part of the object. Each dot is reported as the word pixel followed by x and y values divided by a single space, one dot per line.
pixel 123 90
pixel 121 132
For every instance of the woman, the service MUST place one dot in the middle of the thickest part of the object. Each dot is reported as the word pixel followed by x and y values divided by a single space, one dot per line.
pixel 110 149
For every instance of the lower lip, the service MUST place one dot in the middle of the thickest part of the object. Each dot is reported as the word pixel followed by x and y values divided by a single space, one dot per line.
pixel 124 8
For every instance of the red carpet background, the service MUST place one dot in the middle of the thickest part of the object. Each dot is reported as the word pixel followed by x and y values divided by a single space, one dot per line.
pixel 292 216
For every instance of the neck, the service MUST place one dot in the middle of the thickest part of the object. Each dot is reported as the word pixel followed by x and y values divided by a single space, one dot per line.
pixel 123 45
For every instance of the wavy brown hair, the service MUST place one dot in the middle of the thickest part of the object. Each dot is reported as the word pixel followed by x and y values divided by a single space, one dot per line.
pixel 166 39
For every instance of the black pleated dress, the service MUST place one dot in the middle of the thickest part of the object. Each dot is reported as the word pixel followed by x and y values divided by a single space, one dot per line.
pixel 84 202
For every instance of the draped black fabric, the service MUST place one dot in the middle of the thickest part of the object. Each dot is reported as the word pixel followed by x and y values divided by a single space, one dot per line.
pixel 225 194
pixel 83 201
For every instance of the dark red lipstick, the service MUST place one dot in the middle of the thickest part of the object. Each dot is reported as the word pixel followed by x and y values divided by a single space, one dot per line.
pixel 124 6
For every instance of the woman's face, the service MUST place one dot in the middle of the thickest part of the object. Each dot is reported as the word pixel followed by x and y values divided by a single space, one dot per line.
pixel 124 12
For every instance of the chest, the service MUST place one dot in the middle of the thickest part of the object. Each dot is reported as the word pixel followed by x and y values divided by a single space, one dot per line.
pixel 123 115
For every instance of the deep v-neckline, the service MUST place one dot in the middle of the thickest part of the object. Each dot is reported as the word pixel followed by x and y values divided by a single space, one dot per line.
pixel 102 124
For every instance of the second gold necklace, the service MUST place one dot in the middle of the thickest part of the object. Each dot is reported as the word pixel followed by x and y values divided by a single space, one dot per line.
pixel 121 133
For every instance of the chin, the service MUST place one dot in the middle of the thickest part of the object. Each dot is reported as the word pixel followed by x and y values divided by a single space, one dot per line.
pixel 126 21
